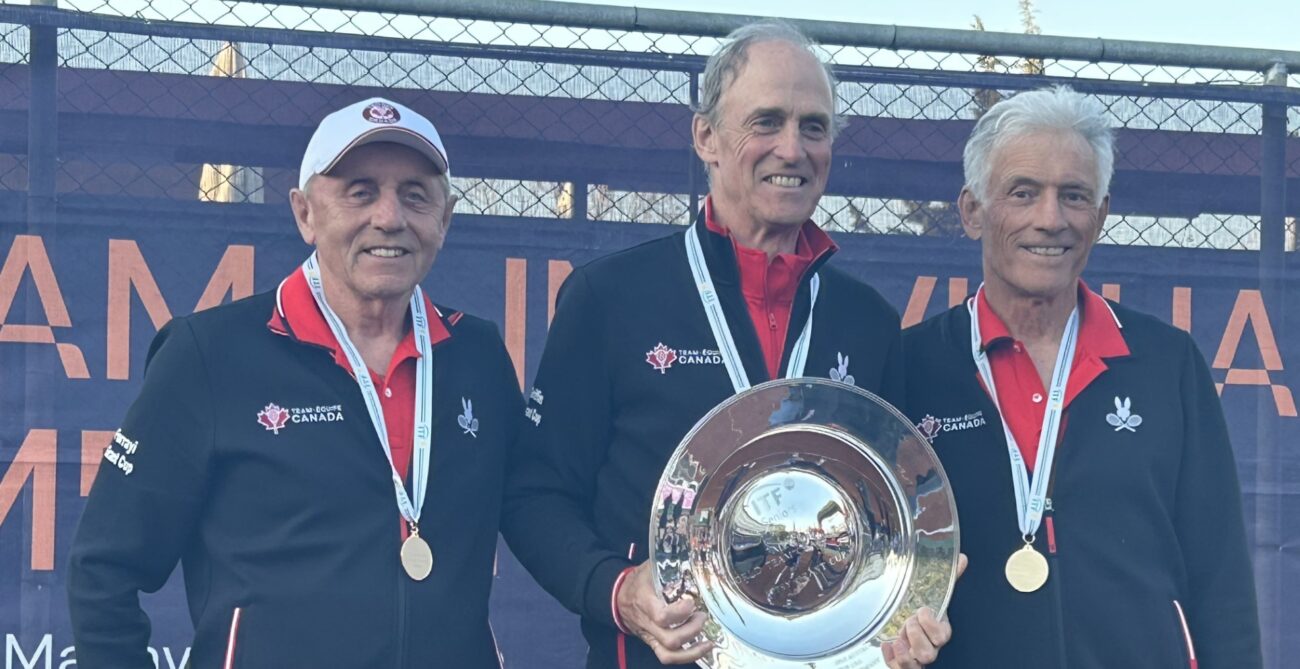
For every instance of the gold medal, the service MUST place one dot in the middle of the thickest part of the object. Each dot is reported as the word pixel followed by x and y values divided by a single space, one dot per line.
pixel 417 557
pixel 1027 569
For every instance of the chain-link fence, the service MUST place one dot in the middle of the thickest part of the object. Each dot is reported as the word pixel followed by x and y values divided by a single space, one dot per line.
pixel 213 101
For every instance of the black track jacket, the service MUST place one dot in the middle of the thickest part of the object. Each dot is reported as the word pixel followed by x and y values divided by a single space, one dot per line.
pixel 289 538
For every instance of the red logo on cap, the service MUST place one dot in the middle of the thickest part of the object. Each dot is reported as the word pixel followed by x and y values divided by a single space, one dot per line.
pixel 381 112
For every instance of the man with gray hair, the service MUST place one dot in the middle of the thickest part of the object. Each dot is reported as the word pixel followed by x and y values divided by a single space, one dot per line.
pixel 1115 537
pixel 633 359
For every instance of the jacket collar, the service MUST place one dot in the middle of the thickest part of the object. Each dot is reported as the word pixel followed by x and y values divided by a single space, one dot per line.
pixel 1100 329
pixel 297 317
pixel 720 254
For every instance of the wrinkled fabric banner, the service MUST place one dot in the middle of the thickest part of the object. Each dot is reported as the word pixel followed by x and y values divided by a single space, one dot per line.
pixel 79 303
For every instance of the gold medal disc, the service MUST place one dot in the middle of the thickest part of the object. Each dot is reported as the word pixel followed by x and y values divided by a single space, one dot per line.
pixel 417 558
pixel 1027 569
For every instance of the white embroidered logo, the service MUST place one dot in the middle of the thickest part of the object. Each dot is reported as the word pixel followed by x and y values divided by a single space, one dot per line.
pixel 1124 418
pixel 841 373
pixel 467 421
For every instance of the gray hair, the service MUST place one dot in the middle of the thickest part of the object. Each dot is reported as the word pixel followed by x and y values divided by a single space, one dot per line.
pixel 1054 108
pixel 725 64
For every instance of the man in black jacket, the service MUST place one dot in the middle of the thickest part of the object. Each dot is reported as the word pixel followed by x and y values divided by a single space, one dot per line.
pixel 632 361
pixel 1115 537
pixel 326 460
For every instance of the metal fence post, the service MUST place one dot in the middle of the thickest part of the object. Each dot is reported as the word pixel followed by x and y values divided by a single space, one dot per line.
pixel 693 162
pixel 1272 177
pixel 581 194
pixel 42 121
pixel 1273 287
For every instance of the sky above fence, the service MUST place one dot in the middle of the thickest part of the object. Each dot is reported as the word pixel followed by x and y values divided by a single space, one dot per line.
pixel 1261 24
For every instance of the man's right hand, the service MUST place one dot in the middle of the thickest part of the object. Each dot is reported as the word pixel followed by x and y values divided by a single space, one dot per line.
pixel 666 628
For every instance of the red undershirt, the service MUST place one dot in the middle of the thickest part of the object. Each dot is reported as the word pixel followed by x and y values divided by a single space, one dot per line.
pixel 396 387
pixel 770 287
pixel 1021 393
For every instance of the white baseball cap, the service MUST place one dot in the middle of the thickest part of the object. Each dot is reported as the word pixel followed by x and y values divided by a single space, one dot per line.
pixel 373 120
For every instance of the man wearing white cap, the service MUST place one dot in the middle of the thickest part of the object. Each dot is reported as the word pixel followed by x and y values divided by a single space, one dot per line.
pixel 324 459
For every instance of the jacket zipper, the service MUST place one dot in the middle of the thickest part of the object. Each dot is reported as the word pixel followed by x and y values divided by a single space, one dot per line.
pixel 1055 580
pixel 401 620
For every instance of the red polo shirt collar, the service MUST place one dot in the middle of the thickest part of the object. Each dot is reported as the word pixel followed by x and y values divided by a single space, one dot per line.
pixel 769 288
pixel 297 316
pixel 1020 390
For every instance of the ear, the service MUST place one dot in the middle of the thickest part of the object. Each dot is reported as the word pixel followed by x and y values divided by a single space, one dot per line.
pixel 1102 213
pixel 447 212
pixel 301 207
pixel 968 205
pixel 705 138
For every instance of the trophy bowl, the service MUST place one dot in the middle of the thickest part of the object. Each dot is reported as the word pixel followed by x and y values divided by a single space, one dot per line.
pixel 809 519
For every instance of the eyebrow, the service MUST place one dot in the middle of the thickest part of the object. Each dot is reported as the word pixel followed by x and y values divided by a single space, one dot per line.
pixel 1067 185
pixel 778 111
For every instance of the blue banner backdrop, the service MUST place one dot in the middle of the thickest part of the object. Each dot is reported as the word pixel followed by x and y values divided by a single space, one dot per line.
pixel 80 301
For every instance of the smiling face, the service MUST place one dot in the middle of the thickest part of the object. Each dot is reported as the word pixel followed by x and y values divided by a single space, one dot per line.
pixel 769 153
pixel 377 220
pixel 1041 215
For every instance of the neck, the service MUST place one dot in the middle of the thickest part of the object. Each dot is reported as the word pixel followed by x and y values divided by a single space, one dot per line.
pixel 770 239
pixel 375 326
pixel 1032 319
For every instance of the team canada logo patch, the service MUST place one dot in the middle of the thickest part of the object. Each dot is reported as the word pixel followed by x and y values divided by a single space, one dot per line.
pixel 929 426
pixel 381 112
pixel 661 358
pixel 273 417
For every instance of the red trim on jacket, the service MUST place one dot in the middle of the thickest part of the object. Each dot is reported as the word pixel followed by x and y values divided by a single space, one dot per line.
pixel 770 287
pixel 1021 394
pixel 296 315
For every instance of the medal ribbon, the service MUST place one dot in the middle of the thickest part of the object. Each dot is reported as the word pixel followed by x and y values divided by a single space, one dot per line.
pixel 718 319
pixel 1029 507
pixel 423 386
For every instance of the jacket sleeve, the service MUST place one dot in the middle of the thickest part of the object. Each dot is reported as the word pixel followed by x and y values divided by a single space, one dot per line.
pixel 142 509
pixel 547 518
pixel 1221 611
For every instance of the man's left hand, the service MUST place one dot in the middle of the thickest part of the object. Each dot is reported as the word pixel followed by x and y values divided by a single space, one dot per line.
pixel 922 636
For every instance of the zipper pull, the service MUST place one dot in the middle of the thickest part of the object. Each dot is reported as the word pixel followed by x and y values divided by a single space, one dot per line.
pixel 771 320
pixel 1051 535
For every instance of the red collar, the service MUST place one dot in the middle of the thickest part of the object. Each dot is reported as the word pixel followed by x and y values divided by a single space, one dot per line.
pixel 1099 328
pixel 752 264
pixel 297 316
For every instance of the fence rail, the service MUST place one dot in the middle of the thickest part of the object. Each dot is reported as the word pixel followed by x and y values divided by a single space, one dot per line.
pixel 562 110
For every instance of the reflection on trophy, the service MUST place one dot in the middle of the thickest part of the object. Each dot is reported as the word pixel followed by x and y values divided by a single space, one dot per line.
pixel 809 519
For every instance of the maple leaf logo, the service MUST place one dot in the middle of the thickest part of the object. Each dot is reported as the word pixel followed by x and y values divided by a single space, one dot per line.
pixel 661 357
pixel 929 426
pixel 273 417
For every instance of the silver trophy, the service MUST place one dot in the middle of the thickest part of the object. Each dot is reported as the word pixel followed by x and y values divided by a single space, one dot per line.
pixel 809 519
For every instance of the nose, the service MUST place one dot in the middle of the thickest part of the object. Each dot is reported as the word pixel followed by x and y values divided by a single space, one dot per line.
pixel 386 212
pixel 1052 215
pixel 789 143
